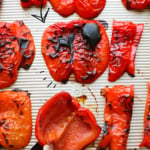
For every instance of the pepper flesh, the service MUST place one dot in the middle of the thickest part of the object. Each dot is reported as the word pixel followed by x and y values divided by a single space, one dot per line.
pixel 117 116
pixel 66 50
pixel 124 42
pixel 12 55
pixel 15 119
pixel 63 122
pixel 146 139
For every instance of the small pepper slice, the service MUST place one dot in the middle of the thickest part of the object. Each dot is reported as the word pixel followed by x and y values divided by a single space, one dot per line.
pixel 63 122
pixel 80 47
pixel 124 42
pixel 135 4
pixel 117 116
pixel 146 138
pixel 15 119
pixel 17 49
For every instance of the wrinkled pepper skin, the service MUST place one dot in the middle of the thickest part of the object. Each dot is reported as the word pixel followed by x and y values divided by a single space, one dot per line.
pixel 15 119
pixel 124 42
pixel 117 116
pixel 17 50
pixel 29 3
pixel 146 139
pixel 136 4
pixel 80 47
pixel 64 123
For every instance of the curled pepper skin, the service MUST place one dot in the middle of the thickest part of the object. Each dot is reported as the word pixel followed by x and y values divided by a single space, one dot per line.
pixel 117 116
pixel 17 50
pixel 136 4
pixel 124 42
pixel 146 139
pixel 64 123
pixel 80 47
pixel 15 119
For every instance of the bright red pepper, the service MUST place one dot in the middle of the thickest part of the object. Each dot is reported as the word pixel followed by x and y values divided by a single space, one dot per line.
pixel 124 42
pixel 15 119
pixel 16 50
pixel 136 4
pixel 146 139
pixel 117 116
pixel 63 122
pixel 80 47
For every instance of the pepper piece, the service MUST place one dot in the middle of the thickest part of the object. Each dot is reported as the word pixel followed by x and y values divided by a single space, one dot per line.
pixel 146 138
pixel 124 42
pixel 135 4
pixel 80 47
pixel 15 119
pixel 63 122
pixel 117 116
pixel 14 54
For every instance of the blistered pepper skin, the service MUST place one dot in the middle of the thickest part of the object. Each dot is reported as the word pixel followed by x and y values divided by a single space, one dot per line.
pixel 80 47
pixel 17 50
pixel 117 116
pixel 124 42
pixel 15 119
pixel 63 122
pixel 146 136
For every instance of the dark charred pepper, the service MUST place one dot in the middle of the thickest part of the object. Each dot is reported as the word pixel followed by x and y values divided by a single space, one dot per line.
pixel 85 8
pixel 136 4
pixel 15 119
pixel 17 50
pixel 80 47
pixel 124 42
pixel 117 116
pixel 146 139
pixel 63 122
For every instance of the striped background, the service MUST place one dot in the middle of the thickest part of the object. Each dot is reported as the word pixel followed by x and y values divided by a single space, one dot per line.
pixel 32 80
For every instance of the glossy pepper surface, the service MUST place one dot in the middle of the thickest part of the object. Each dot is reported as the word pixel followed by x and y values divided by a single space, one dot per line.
pixel 15 119
pixel 146 139
pixel 117 116
pixel 17 50
pixel 124 42
pixel 80 47
pixel 63 122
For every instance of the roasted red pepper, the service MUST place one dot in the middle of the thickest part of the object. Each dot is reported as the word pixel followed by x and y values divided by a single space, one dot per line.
pixel 80 47
pixel 125 39
pixel 28 3
pixel 85 8
pixel 15 119
pixel 63 122
pixel 146 140
pixel 135 4
pixel 117 116
pixel 16 50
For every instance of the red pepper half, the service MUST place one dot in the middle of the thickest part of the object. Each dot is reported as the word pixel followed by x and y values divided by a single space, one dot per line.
pixel 135 4
pixel 16 50
pixel 117 116
pixel 29 3
pixel 63 122
pixel 80 47
pixel 15 119
pixel 124 42
pixel 146 139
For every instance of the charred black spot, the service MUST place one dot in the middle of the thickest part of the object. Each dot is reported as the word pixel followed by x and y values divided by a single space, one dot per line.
pixel 104 23
pixel 37 146
pixel 4 135
pixel 91 33
pixel 11 146
pixel 64 81
pixel 23 43
pixel 54 55
pixel 148 117
pixel 2 121
pixel 128 4
pixel 21 113
pixel 105 129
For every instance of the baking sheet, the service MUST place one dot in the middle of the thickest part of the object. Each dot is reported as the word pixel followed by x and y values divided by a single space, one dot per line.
pixel 41 90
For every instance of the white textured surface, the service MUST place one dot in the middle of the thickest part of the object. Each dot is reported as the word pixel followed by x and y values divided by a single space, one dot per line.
pixel 32 80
